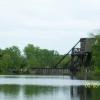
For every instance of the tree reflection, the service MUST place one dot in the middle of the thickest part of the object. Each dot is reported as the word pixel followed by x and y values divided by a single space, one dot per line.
pixel 37 90
pixel 81 92
pixel 28 92
pixel 95 93
pixel 10 89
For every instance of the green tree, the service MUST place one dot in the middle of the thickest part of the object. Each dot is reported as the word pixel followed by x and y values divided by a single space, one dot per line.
pixel 32 54
pixel 40 58
pixel 96 53
pixel 15 57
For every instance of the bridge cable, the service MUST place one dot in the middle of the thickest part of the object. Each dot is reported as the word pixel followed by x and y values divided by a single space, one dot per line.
pixel 66 54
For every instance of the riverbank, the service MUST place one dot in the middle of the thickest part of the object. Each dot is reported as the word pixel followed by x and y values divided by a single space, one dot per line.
pixel 92 75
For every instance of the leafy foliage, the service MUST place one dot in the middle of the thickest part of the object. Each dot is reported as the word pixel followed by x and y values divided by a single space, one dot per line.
pixel 96 53
pixel 11 58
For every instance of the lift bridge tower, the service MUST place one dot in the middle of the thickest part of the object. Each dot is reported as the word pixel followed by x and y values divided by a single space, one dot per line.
pixel 79 57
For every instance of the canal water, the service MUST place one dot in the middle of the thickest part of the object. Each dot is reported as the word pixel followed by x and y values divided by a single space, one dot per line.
pixel 29 87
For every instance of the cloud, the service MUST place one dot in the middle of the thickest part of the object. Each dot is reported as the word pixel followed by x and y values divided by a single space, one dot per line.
pixel 47 23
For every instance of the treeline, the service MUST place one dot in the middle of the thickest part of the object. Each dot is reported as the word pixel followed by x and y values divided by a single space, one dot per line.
pixel 12 60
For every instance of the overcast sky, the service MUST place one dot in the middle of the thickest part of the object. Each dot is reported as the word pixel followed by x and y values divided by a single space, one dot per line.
pixel 51 24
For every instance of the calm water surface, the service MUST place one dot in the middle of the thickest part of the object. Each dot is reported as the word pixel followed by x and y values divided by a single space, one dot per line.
pixel 21 87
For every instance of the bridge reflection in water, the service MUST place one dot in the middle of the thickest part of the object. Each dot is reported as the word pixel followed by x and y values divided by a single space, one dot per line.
pixel 26 92
pixel 21 87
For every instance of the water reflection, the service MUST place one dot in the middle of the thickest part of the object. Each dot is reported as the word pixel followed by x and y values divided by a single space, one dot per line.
pixel 38 90
pixel 7 89
pixel 27 92
pixel 51 88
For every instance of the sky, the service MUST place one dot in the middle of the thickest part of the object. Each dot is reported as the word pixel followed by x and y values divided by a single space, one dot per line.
pixel 49 24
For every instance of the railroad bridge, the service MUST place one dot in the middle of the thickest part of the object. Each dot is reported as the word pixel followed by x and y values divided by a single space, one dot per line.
pixel 80 56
